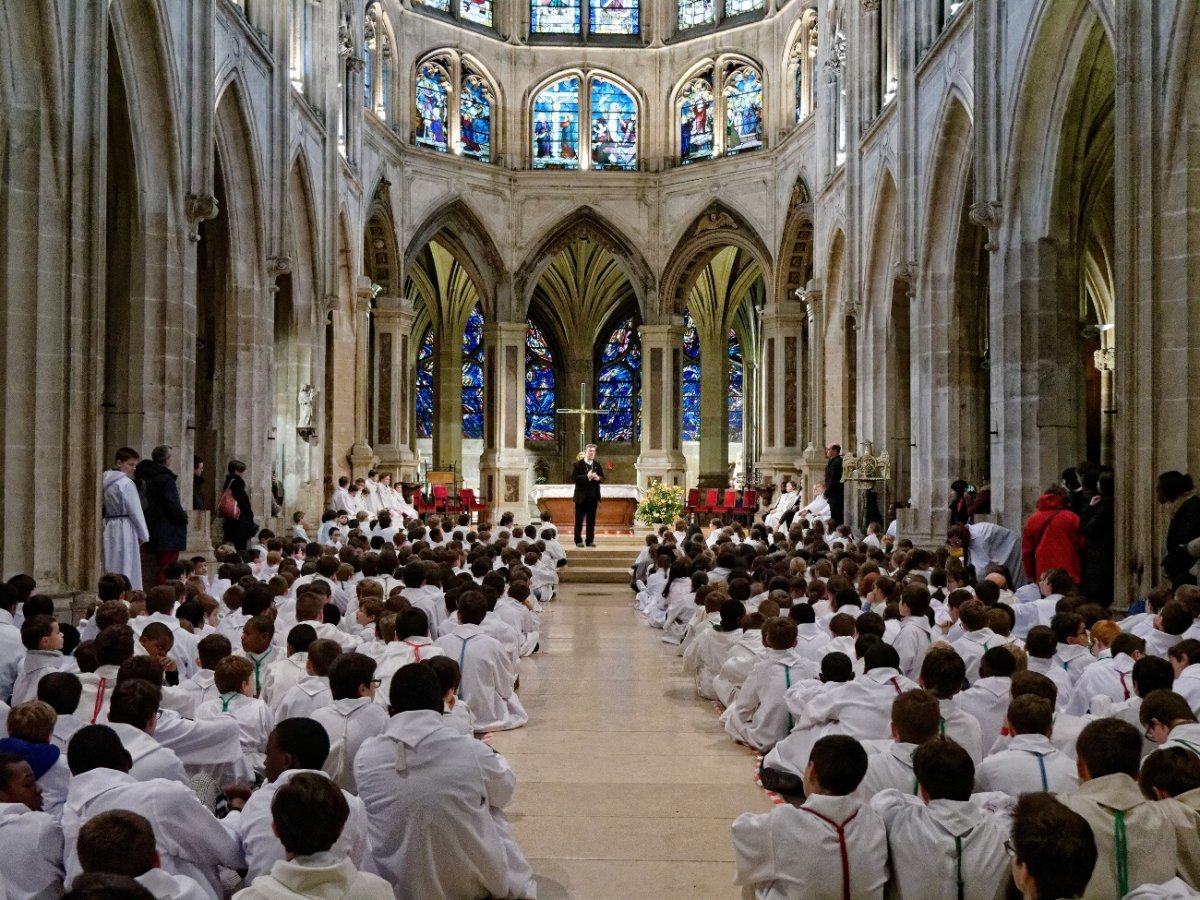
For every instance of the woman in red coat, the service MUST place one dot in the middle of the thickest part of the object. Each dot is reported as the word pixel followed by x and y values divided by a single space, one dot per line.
pixel 1051 538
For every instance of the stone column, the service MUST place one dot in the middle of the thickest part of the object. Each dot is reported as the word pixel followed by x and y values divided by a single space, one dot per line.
pixel 504 466
pixel 661 459
pixel 362 457
pixel 447 396
pixel 714 409
pixel 394 385
pixel 1106 359
pixel 812 459
pixel 782 330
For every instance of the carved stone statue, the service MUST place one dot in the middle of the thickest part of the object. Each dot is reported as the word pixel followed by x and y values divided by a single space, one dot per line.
pixel 308 394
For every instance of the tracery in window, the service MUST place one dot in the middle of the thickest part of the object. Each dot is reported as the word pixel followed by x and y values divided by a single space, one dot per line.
pixel 472 375
pixel 554 16
pixel 802 64
pixel 693 13
pixel 539 386
pixel 737 104
pixel 377 61
pixel 584 17
pixel 478 12
pixel 453 104
pixel 608 107
pixel 618 391
pixel 613 17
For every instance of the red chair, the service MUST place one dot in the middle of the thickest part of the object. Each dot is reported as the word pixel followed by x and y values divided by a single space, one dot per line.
pixel 467 501
pixel 424 505
pixel 728 504
pixel 711 498
pixel 441 499
pixel 749 506
pixel 692 506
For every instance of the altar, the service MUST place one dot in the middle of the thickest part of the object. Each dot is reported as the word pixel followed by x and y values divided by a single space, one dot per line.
pixel 618 503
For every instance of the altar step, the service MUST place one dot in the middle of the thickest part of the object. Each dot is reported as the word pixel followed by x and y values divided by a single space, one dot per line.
pixel 606 563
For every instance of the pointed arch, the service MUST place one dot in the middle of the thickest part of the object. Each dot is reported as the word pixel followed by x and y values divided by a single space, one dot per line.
pixel 796 249
pixel 238 150
pixel 456 226
pixel 584 223
pixel 718 226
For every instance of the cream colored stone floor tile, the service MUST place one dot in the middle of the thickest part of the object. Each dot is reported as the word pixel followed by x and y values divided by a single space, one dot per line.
pixel 588 837
pixel 581 879
pixel 627 783
pixel 617 801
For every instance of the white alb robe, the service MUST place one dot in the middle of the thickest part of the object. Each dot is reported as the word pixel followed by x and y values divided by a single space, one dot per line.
pixel 427 787
pixel 349 722
pixel 1029 763
pixel 31 864
pixel 487 677
pixel 783 503
pixel 759 716
pixel 398 654
pixel 124 527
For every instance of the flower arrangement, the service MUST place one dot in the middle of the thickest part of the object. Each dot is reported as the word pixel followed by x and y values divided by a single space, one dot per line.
pixel 662 503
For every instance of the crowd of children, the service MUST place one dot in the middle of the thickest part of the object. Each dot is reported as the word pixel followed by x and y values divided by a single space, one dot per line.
pixel 934 729
pixel 299 720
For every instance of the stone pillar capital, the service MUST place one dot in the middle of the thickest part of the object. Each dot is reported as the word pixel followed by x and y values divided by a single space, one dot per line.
pixel 505 332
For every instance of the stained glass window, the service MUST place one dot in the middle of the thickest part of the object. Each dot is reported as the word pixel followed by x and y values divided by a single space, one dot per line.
pixel 425 385
pixel 743 111
pixel 472 375
pixel 477 11
pixel 614 126
pixel 614 16
pixel 556 126
pixel 618 393
pixel 691 379
pixel 696 12
pixel 737 7
pixel 554 16
pixel 736 393
pixel 368 46
pixel 696 120
pixel 433 90
pixel 539 386
pixel 475 114
pixel 439 5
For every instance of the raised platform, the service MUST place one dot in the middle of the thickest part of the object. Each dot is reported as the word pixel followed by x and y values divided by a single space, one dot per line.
pixel 606 563
pixel 614 516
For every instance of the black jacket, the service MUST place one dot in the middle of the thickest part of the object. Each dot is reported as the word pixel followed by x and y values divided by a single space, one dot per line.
pixel 585 488
pixel 166 519
pixel 236 485
pixel 1184 527
pixel 834 489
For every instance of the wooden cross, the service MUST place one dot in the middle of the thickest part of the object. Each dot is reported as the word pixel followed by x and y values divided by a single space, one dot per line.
pixel 582 411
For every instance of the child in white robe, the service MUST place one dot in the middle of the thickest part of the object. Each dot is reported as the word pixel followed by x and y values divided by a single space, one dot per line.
pixel 1073 654
pixel 678 584
pixel 742 658
pixel 311 692
pixel 987 700
pixel 190 840
pixel 352 717
pixel 295 746
pixel 1040 649
pixel 861 708
pixel 234 680
pixel 32 862
pixel 284 674
pixel 194 692
pixel 705 656
pixel 1029 762
pixel 514 608
pixel 915 716
pixel 832 847
pixel 1053 851
pixel 427 786
pixel 43 654
pixel 783 767
pixel 1111 676
pixel 656 583
pixel 943 846
pixel 308 814
pixel 120 842
pixel 943 673
pixel 681 606
pixel 488 678
pixel 543 578
pixel 124 522
pixel 406 641
pixel 133 715
pixel 759 716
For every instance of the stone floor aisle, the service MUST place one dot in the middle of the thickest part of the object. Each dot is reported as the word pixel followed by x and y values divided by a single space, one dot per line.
pixel 627 782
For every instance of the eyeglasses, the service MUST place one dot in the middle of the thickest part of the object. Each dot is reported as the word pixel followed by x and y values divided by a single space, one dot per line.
pixel 375 682
pixel 1010 849
pixel 1150 728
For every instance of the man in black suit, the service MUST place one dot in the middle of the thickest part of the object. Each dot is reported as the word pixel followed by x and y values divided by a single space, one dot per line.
pixel 835 491
pixel 587 477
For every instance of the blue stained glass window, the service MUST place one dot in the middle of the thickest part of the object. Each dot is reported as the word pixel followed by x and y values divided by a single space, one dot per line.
pixel 425 385
pixel 554 16
pixel 614 126
pixel 477 11
pixel 799 88
pixel 539 386
pixel 696 120
pixel 618 392
pixel 691 379
pixel 743 112
pixel 614 16
pixel 556 126
pixel 737 7
pixel 472 375
pixel 736 393
pixel 696 12
pixel 433 88
pixel 475 115
pixel 366 55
